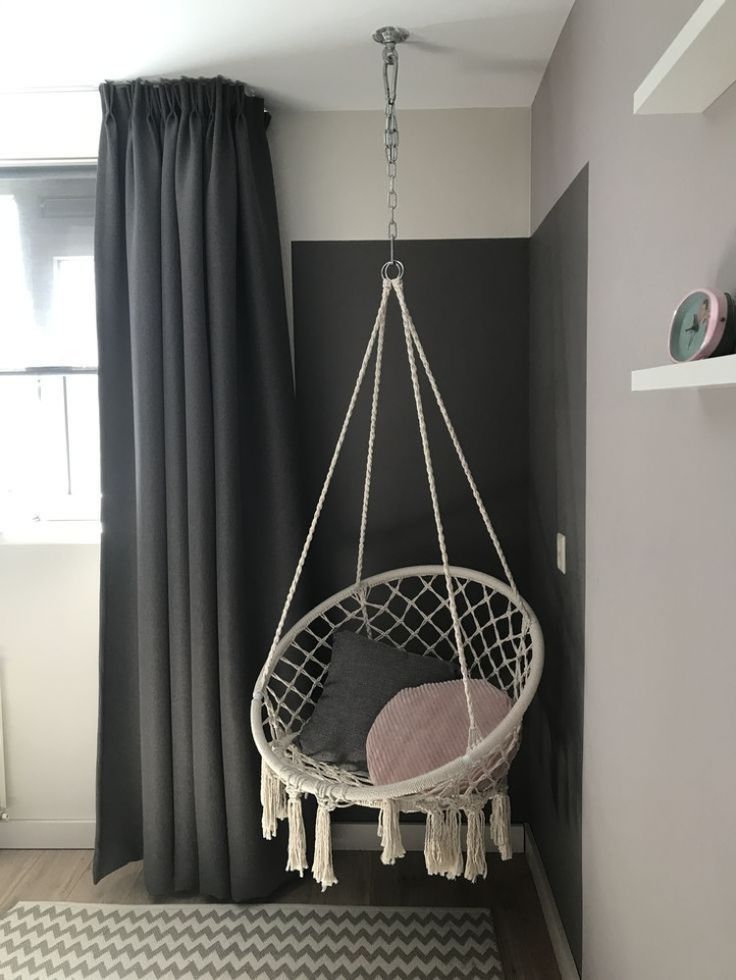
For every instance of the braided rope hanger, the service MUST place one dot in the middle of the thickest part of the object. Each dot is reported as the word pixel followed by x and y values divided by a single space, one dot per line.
pixel 413 349
pixel 510 655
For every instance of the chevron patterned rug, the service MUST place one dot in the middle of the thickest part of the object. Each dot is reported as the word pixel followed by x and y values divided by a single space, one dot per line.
pixel 50 941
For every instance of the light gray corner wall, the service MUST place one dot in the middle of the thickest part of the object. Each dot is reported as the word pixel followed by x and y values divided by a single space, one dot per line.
pixel 659 790
pixel 463 173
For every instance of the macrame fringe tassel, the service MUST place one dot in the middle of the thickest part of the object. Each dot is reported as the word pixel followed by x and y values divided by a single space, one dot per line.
pixel 322 869
pixel 442 848
pixel 453 844
pixel 432 841
pixel 501 824
pixel 297 857
pixel 475 859
pixel 273 801
pixel 389 832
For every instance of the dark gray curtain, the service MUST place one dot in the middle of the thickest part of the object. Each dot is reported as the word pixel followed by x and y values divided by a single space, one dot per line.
pixel 199 503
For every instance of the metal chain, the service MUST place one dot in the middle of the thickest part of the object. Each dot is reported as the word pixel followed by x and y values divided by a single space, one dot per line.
pixel 391 139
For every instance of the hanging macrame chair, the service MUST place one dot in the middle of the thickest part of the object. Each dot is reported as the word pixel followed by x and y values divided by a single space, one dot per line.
pixel 435 610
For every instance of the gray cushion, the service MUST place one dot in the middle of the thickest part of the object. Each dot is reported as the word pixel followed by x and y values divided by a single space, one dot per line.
pixel 363 677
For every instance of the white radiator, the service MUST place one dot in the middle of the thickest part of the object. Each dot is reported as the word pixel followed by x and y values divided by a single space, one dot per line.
pixel 3 791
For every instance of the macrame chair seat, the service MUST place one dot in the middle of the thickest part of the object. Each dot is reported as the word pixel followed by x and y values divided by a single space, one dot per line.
pixel 432 610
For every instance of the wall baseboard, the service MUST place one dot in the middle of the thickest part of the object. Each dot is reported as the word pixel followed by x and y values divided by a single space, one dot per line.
pixel 52 834
pixel 81 834
pixel 352 836
pixel 565 960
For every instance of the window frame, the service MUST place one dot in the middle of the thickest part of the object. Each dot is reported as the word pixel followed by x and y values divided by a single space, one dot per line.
pixel 51 524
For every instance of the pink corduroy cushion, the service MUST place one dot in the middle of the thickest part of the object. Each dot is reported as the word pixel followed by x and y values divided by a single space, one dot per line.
pixel 422 728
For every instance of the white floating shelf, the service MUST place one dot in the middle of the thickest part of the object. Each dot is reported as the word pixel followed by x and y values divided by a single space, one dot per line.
pixel 714 372
pixel 697 67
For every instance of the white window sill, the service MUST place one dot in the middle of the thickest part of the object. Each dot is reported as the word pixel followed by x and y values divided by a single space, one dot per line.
pixel 51 532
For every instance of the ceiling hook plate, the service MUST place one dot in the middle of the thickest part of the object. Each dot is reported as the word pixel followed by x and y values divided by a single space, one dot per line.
pixel 390 35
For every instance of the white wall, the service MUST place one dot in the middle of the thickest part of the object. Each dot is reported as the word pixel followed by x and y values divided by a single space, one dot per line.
pixel 659 789
pixel 48 673
pixel 49 591
pixel 52 126
pixel 462 174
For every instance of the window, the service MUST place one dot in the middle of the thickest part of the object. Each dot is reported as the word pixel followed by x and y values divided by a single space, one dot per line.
pixel 49 425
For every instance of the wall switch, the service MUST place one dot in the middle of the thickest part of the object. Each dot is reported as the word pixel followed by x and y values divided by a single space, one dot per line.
pixel 561 553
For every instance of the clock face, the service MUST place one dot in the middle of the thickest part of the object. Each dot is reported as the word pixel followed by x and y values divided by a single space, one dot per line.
pixel 689 326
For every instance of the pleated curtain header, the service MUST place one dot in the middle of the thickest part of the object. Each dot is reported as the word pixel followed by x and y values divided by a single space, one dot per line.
pixel 160 99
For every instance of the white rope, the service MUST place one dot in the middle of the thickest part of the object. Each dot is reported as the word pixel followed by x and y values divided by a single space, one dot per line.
pixel 377 327
pixel 412 343
pixel 474 735
pixel 476 494
pixel 369 454
pixel 408 608
pixel 455 441
pixel 466 783
pixel 471 481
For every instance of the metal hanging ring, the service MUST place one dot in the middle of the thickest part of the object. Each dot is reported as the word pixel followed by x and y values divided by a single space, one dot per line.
pixel 388 267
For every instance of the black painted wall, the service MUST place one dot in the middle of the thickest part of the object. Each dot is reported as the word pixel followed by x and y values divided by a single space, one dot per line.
pixel 513 378
pixel 469 304
pixel 469 301
pixel 552 754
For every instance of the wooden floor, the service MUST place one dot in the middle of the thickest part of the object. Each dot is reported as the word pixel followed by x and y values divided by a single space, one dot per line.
pixel 508 891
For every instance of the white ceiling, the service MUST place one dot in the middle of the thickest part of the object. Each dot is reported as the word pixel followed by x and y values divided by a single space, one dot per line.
pixel 311 54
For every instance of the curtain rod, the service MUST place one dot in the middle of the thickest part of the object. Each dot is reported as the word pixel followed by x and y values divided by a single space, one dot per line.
pixel 79 89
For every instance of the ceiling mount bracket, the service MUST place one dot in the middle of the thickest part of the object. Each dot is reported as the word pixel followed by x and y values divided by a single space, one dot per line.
pixel 390 36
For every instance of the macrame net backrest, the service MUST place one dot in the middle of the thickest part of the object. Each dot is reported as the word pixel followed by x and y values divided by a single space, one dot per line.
pixel 407 609
pixel 436 610
pixel 413 349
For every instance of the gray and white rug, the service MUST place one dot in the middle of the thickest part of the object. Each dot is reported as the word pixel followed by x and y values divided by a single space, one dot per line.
pixel 51 940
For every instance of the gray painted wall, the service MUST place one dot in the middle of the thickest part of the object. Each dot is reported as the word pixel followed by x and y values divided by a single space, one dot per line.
pixel 659 793
pixel 553 735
